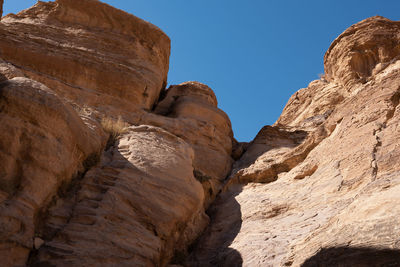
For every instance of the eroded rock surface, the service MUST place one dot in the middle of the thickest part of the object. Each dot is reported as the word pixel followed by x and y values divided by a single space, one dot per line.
pixel 328 170
pixel 362 51
pixel 190 111
pixel 320 187
pixel 141 203
pixel 43 146
pixel 90 53
pixel 71 74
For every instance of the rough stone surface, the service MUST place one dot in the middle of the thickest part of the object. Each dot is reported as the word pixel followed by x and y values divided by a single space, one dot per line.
pixel 43 146
pixel 330 180
pixel 91 53
pixel 354 57
pixel 52 187
pixel 137 206
pixel 190 111
pixel 320 187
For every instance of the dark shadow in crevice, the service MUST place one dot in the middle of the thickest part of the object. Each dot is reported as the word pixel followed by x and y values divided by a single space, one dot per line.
pixel 354 257
pixel 212 247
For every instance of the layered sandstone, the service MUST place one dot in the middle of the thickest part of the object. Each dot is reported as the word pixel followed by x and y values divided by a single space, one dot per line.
pixel 328 170
pixel 44 146
pixel 90 53
pixel 190 111
pixel 317 188
pixel 68 70
pixel 141 203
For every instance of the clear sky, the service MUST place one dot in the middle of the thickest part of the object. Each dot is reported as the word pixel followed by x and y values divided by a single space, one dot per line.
pixel 254 54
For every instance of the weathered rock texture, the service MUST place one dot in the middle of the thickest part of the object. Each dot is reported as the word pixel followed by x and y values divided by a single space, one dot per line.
pixel 90 53
pixel 190 111
pixel 321 186
pixel 71 193
pixel 102 166
pixel 141 203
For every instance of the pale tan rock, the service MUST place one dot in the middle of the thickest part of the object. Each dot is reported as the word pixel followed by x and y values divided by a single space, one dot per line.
pixel 137 207
pixel 43 145
pixel 310 107
pixel 9 71
pixel 190 111
pixel 89 52
pixel 319 187
pixel 336 204
pixel 354 57
pixel 80 52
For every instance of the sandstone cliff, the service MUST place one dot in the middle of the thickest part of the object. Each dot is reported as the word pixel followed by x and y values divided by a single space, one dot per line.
pixel 102 166
pixel 321 186
pixel 66 184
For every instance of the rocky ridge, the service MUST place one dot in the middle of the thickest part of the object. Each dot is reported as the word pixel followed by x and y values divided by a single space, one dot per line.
pixel 317 188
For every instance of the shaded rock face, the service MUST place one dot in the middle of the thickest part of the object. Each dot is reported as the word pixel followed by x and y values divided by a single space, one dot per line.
pixel 103 166
pixel 44 145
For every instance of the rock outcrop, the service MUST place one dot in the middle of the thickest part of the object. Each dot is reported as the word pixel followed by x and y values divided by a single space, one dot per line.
pixel 190 111
pixel 44 145
pixel 70 70
pixel 90 53
pixel 141 203
pixel 320 187
pixel 362 51
pixel 101 165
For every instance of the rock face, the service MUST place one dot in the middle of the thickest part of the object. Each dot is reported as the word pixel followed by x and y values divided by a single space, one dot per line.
pixel 141 202
pixel 44 145
pixel 68 71
pixel 101 165
pixel 354 57
pixel 89 53
pixel 190 111
pixel 329 191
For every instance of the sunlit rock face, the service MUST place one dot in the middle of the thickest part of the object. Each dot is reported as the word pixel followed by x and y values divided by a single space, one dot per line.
pixel 89 52
pixel 362 51
pixel 80 184
pixel 321 186
pixel 102 165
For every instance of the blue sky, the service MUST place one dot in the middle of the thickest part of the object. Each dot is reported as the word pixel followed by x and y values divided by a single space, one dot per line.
pixel 253 54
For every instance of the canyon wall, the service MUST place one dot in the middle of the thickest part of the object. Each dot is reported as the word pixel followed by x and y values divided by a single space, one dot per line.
pixel 102 165
pixel 321 186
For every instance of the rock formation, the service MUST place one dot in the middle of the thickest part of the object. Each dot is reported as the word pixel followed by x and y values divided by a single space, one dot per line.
pixel 64 179
pixel 321 186
pixel 101 165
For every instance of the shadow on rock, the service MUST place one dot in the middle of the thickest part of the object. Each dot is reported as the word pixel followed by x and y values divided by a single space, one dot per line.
pixel 268 139
pixel 212 248
pixel 354 256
